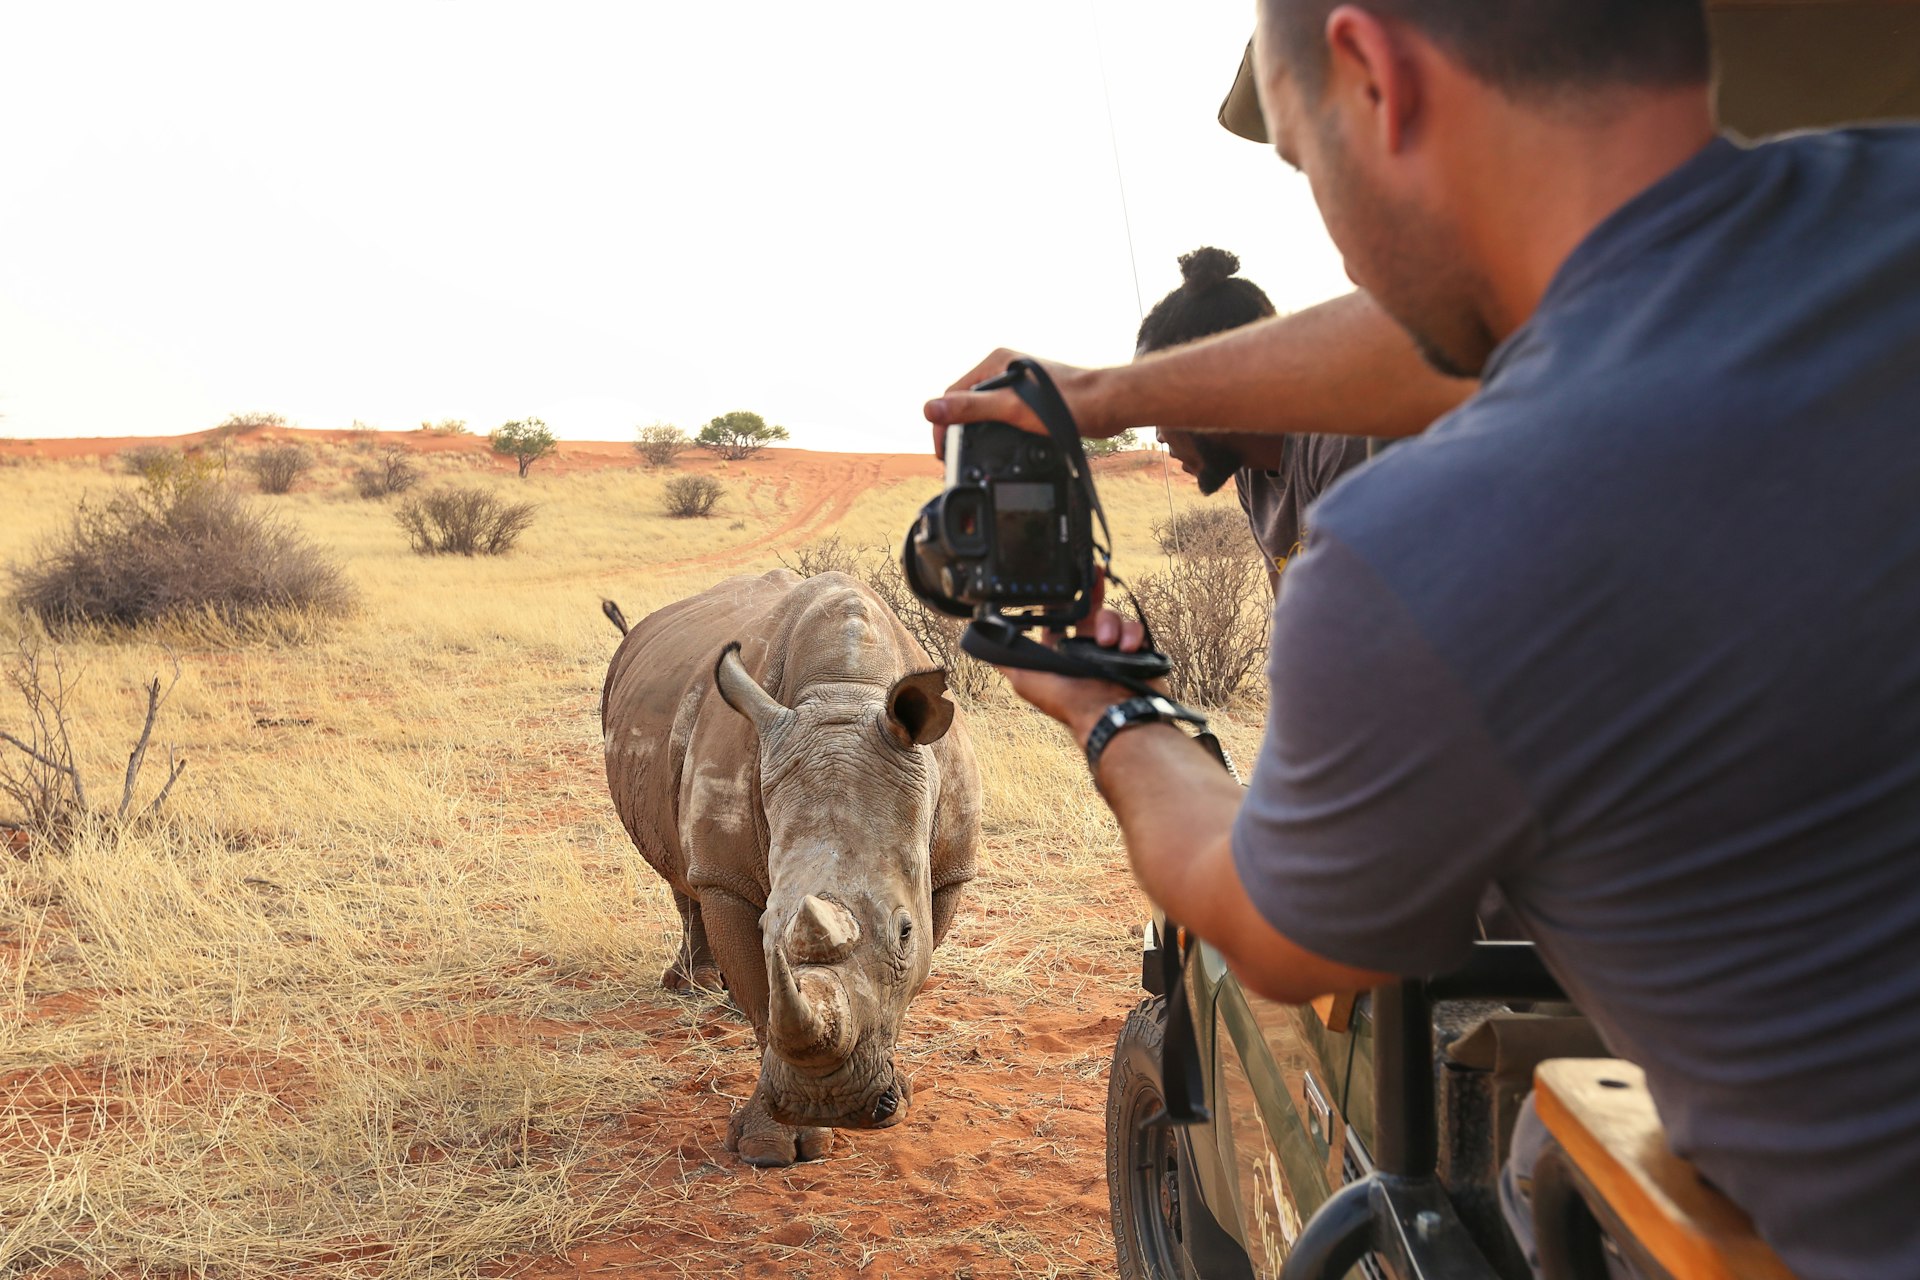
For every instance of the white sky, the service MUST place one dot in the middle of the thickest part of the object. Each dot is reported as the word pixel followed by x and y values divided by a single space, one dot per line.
pixel 603 215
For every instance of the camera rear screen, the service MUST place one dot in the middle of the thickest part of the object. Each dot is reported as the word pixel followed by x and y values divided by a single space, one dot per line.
pixel 1024 523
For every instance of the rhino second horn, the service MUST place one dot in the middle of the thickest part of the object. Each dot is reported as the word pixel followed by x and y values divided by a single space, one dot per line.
pixel 820 932
pixel 808 1020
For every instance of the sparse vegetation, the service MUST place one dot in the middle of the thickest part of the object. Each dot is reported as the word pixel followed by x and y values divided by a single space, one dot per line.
pixel 40 776
pixel 394 473
pixel 1214 529
pixel 1210 616
pixel 277 467
pixel 1107 446
pixel 739 435
pixel 151 462
pixel 240 424
pixel 378 997
pixel 526 442
pixel 463 521
pixel 659 444
pixel 177 551
pixel 446 427
pixel 688 497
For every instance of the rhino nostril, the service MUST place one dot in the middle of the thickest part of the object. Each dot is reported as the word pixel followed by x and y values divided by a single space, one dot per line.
pixel 885 1105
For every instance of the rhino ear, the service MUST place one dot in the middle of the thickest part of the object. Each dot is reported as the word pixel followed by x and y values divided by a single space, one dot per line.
pixel 743 693
pixel 917 707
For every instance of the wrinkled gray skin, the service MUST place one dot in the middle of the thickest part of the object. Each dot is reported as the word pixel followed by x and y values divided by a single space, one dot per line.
pixel 814 804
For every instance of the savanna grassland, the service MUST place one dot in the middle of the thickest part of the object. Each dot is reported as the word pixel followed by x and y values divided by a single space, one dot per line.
pixel 377 995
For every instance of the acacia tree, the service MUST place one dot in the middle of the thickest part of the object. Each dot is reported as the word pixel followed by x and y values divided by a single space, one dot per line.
pixel 526 442
pixel 1107 446
pixel 739 435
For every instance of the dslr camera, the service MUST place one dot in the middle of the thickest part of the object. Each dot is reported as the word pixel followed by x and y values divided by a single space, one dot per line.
pixel 1009 537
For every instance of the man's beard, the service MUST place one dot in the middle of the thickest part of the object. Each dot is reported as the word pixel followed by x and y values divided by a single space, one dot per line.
pixel 1411 266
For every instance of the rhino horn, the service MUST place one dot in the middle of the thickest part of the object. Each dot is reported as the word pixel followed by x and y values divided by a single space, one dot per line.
pixel 743 693
pixel 820 932
pixel 808 1020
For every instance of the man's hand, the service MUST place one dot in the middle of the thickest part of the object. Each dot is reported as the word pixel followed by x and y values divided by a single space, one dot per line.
pixel 962 404
pixel 1074 701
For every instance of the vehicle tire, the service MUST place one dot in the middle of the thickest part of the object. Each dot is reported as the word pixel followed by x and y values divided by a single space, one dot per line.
pixel 1143 1183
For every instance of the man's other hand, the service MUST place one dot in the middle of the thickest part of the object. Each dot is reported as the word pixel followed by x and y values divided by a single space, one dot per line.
pixel 1077 701
pixel 962 404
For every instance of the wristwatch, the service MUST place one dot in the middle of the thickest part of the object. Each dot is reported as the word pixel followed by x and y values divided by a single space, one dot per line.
pixel 1125 715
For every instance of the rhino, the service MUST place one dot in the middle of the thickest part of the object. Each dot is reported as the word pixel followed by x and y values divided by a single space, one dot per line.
pixel 784 754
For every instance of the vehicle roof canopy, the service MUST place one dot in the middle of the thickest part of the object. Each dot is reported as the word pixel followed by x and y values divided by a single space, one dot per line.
pixel 1780 65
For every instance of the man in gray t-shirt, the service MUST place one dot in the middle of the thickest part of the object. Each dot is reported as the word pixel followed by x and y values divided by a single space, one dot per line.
pixel 1276 499
pixel 1633 635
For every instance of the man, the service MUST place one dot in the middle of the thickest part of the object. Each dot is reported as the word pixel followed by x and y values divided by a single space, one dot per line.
pixel 1276 477
pixel 1633 634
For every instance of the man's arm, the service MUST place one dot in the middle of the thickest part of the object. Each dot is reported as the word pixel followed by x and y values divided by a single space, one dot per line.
pixel 1341 368
pixel 1176 807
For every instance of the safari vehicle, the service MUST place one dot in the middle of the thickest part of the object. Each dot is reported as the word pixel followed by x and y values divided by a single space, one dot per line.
pixel 1364 1134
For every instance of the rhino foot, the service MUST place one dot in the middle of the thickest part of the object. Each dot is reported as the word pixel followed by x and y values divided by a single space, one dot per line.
pixel 764 1142
pixel 685 981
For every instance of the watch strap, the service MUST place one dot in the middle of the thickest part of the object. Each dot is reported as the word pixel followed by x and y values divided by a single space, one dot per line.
pixel 1124 715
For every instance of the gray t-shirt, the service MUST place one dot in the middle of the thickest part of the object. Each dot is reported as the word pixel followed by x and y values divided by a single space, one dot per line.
pixel 1276 500
pixel 1635 635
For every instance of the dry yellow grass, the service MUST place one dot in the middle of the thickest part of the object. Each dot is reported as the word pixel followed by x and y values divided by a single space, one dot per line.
pixel 379 996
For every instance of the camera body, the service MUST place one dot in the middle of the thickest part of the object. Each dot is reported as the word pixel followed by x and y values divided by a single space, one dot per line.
pixel 1010 534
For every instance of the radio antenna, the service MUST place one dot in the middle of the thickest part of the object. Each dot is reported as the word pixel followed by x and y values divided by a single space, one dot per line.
pixel 1133 257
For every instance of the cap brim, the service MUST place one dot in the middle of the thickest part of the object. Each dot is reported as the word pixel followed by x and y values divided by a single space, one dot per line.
pixel 1240 113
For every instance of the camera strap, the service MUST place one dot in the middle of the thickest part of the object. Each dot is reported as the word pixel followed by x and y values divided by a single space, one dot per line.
pixel 998 641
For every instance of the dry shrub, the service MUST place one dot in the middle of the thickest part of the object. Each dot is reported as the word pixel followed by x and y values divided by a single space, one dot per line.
pixel 1213 530
pixel 40 775
pixel 151 462
pixel 463 521
pixel 276 467
pixel 192 551
pixel 394 473
pixel 831 554
pixel 659 444
pixel 446 427
pixel 240 424
pixel 692 496
pixel 1210 617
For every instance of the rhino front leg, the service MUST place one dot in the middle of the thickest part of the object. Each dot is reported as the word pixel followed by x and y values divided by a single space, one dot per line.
pixel 693 968
pixel 761 1140
pixel 733 924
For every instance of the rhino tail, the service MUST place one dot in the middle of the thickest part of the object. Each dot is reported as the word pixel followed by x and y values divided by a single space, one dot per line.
pixel 614 615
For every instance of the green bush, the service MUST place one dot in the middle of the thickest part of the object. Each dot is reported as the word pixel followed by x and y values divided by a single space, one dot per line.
pixel 739 435
pixel 526 442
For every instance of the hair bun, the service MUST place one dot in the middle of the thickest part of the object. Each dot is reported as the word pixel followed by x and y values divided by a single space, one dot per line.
pixel 1204 268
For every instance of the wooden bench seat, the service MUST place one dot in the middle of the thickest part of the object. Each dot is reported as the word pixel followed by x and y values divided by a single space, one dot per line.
pixel 1599 1110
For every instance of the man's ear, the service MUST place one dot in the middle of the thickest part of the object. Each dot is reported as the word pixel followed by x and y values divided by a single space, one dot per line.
pixel 917 708
pixel 1374 58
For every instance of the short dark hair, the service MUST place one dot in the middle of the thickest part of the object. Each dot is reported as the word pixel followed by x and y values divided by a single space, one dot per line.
pixel 1525 47
pixel 1211 299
